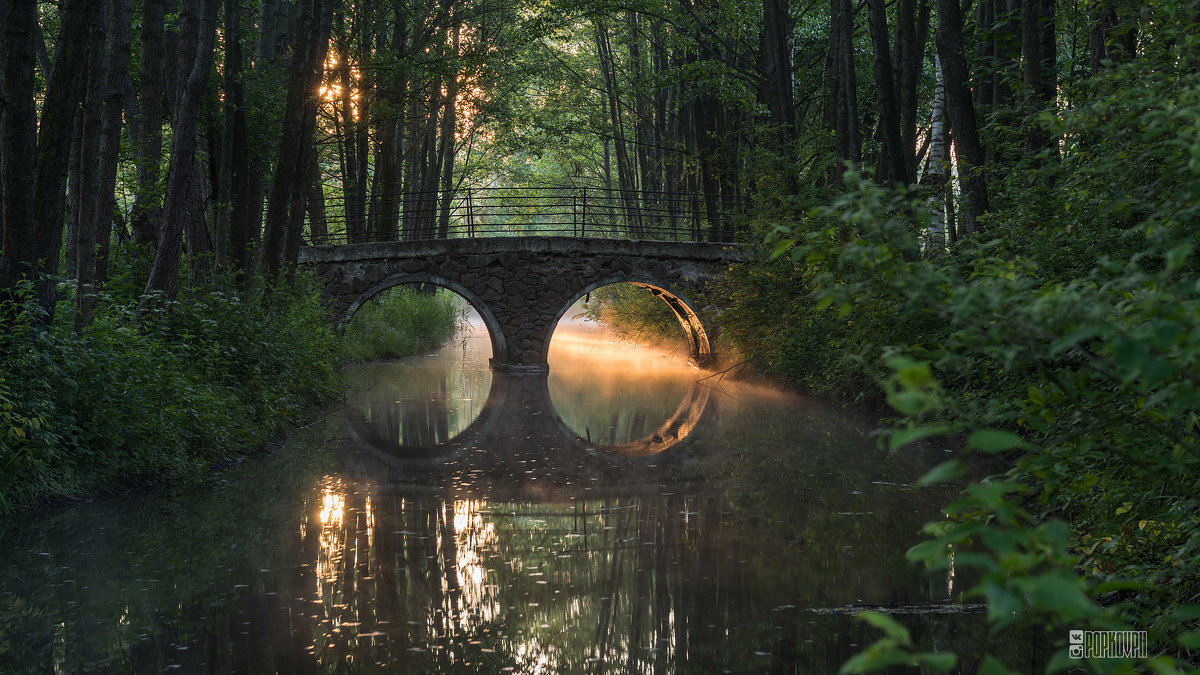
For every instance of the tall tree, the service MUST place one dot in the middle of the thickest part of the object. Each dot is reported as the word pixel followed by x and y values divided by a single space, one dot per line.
pixel 106 93
pixel 842 106
pixel 285 210
pixel 33 156
pixel 165 270
pixel 1039 60
pixel 893 165
pixel 147 146
pixel 776 65
pixel 961 111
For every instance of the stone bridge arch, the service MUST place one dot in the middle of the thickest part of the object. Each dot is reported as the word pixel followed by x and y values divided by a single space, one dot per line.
pixel 522 286
pixel 699 345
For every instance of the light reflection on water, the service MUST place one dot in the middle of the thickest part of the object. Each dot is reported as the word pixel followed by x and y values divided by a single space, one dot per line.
pixel 420 530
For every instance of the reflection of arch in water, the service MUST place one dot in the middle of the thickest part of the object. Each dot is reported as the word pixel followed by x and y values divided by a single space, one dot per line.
pixel 518 418
pixel 674 431
pixel 367 434
pixel 499 346
pixel 699 347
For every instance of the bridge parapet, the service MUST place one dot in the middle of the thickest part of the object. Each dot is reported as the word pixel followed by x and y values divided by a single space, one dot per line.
pixel 522 286
pixel 564 211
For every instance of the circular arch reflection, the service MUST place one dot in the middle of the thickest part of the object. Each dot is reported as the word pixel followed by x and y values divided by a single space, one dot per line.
pixel 519 421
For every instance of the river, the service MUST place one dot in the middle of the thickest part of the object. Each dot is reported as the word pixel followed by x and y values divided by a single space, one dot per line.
pixel 626 513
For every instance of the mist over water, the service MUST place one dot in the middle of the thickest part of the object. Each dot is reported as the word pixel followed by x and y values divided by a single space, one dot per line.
pixel 625 513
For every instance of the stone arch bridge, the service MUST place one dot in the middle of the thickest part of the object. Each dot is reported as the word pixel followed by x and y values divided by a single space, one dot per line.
pixel 522 286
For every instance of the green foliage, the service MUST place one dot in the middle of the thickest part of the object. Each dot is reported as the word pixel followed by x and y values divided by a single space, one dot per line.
pixel 401 321
pixel 1064 338
pixel 895 649
pixel 141 396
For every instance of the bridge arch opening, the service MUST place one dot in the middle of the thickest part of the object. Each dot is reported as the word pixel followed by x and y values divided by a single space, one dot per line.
pixel 700 350
pixel 495 332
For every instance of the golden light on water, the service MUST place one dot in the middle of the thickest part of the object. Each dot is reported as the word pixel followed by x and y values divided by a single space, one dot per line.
pixel 333 508
pixel 634 415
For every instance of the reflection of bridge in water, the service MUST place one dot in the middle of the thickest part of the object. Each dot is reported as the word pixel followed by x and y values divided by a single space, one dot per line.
pixel 518 417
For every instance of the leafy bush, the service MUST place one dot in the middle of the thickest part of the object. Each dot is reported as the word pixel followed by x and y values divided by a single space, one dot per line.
pixel 1064 337
pixel 401 321
pixel 140 396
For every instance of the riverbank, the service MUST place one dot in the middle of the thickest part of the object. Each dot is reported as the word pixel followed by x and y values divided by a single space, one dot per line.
pixel 1064 335
pixel 139 398
pixel 134 399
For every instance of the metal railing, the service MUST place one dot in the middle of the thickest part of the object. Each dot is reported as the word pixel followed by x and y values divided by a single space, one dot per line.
pixel 527 211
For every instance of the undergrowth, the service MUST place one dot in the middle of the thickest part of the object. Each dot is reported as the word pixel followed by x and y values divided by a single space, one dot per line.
pixel 149 395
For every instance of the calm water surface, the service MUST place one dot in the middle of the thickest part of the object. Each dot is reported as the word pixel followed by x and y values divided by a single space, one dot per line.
pixel 627 513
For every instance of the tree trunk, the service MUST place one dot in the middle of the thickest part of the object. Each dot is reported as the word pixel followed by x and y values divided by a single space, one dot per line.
pixel 103 144
pixel 961 112
pixel 285 210
pixel 912 31
pixel 892 161
pixel 628 197
pixel 244 194
pixel 843 87
pixel 87 215
pixel 165 271
pixel 116 70
pixel 197 240
pixel 53 144
pixel 147 151
pixel 18 143
pixel 449 124
pixel 1039 62
pixel 314 201
pixel 935 167
pixel 777 33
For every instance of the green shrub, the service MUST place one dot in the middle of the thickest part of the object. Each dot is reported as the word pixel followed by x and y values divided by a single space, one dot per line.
pixel 143 396
pixel 1064 337
pixel 401 321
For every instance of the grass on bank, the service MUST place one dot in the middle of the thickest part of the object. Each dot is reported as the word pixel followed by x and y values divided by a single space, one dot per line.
pixel 401 321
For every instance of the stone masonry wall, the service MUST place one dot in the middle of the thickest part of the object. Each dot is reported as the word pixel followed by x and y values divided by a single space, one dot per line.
pixel 520 285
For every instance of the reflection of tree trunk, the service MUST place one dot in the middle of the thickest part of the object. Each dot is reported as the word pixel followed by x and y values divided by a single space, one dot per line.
pixel 639 601
pixel 612 588
pixel 389 518
pixel 441 411
pixel 662 590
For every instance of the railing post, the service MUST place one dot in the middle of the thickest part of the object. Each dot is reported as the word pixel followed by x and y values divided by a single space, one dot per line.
pixel 583 214
pixel 470 215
